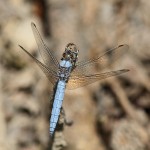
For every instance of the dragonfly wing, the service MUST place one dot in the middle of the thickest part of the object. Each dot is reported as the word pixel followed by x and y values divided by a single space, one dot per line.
pixel 102 60
pixel 51 75
pixel 47 55
pixel 82 80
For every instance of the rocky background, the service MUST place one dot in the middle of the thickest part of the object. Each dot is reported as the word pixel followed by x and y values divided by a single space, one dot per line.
pixel 109 115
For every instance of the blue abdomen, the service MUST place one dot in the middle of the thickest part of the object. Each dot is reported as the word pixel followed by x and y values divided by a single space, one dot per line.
pixel 58 99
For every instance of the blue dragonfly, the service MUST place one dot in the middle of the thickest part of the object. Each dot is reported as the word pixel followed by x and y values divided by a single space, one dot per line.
pixel 69 73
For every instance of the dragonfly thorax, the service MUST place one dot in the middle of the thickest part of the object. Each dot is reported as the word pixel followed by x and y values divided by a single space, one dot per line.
pixel 71 54
pixel 65 68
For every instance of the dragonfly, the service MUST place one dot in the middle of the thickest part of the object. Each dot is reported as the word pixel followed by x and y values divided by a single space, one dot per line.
pixel 69 73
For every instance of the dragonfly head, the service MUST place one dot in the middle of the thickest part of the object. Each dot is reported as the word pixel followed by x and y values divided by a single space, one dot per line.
pixel 71 53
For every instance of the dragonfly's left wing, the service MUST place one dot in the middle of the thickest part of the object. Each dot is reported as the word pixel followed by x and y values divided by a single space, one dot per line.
pixel 47 55
pixel 51 74
pixel 82 80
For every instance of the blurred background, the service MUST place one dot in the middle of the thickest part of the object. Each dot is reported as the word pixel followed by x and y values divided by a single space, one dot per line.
pixel 108 115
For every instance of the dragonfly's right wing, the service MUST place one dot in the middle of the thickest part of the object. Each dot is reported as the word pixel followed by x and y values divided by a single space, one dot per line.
pixel 101 60
pixel 47 55
pixel 82 80
pixel 51 74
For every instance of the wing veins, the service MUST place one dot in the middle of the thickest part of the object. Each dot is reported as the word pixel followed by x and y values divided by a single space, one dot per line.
pixel 83 67
pixel 82 80
pixel 45 69
pixel 54 63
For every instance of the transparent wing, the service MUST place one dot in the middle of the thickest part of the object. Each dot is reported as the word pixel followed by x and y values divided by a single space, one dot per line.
pixel 48 58
pixel 51 74
pixel 101 61
pixel 82 80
